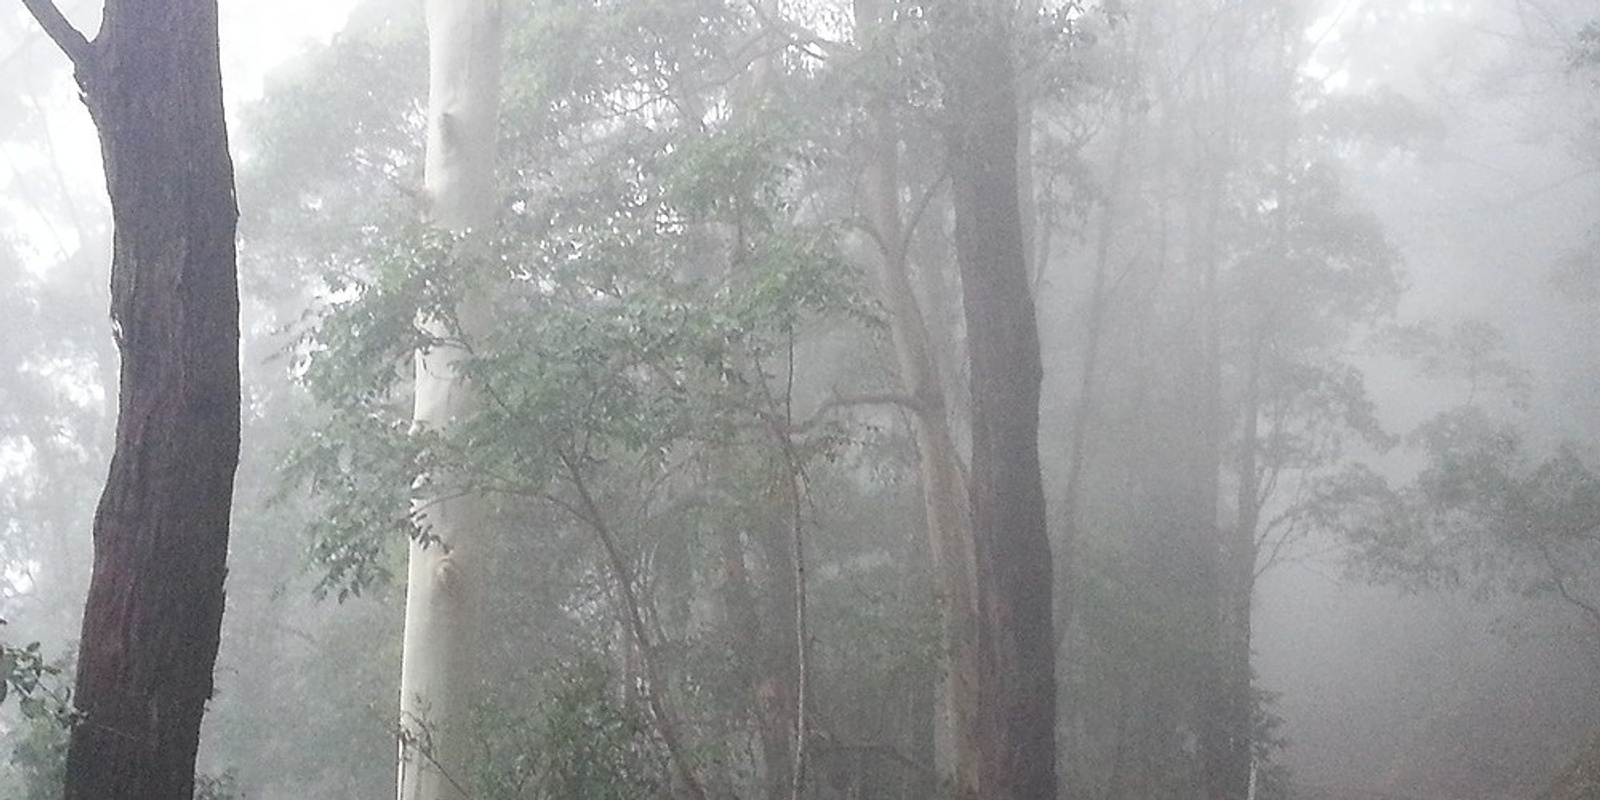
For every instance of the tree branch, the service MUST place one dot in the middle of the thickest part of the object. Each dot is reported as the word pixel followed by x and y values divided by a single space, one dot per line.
pixel 588 511
pixel 60 31
pixel 837 401
pixel 1590 610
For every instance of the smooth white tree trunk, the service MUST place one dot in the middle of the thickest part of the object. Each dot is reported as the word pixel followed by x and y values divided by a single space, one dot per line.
pixel 437 671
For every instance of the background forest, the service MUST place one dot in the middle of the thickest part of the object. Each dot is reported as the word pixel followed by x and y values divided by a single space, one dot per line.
pixel 1315 284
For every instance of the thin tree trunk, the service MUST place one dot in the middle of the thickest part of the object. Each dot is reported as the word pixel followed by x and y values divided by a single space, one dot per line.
pixel 1233 695
pixel 788 556
pixel 439 653
pixel 778 686
pixel 1084 414
pixel 152 82
pixel 1200 398
pixel 1017 698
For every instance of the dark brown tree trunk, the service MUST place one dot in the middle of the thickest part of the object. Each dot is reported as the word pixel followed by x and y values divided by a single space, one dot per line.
pixel 152 82
pixel 1011 545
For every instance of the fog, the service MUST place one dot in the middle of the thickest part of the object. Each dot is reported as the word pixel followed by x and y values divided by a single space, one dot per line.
pixel 1317 290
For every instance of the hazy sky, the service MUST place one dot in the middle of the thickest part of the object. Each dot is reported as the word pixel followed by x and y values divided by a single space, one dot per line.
pixel 257 37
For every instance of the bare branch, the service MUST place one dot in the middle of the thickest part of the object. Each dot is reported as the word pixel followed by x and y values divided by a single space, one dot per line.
pixel 1590 611
pixel 60 31
pixel 838 401
pixel 588 511
pixel 923 205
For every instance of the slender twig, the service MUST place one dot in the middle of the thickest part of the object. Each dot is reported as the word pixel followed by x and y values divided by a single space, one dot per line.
pixel 1589 609
pixel 421 743
pixel 1275 555
pixel 622 575
pixel 915 220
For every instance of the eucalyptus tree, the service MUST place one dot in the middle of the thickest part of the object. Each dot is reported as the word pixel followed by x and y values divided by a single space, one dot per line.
pixel 919 372
pixel 437 668
pixel 151 80
pixel 649 278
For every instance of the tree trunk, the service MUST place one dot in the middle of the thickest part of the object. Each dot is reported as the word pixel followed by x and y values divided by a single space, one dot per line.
pixel 152 82
pixel 957 737
pixel 438 661
pixel 1228 764
pixel 1016 697
pixel 765 661
pixel 776 678
pixel 1199 407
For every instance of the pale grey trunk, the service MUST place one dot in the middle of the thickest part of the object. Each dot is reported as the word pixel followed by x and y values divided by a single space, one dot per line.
pixel 437 670
pixel 940 468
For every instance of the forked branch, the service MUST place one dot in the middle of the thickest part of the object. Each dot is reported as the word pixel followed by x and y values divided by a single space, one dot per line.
pixel 60 31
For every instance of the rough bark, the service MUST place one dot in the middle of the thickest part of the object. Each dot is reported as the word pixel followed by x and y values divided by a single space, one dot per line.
pixel 152 83
pixel 1010 543
pixel 438 660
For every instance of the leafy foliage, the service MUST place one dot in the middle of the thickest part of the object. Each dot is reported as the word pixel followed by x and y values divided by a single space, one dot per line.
pixel 39 746
pixel 1586 51
pixel 1486 514
pixel 659 276
pixel 1486 510
pixel 597 746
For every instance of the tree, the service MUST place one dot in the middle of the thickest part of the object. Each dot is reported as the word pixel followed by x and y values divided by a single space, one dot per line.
pixel 152 82
pixel 1010 543
pixel 437 672
pixel 939 463
pixel 666 243
pixel 1213 402
pixel 1487 514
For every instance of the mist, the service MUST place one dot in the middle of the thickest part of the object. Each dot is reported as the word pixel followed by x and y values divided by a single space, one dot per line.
pixel 825 399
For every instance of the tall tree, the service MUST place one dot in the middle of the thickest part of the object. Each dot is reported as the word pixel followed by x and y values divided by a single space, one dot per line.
pixel 1239 272
pixel 1011 546
pixel 152 81
pixel 439 651
pixel 939 463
